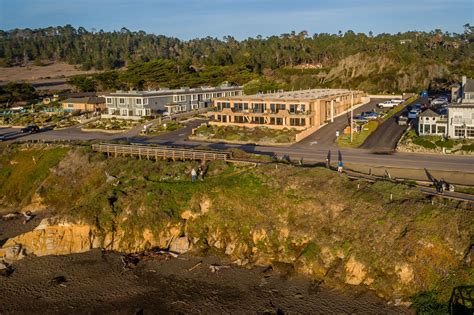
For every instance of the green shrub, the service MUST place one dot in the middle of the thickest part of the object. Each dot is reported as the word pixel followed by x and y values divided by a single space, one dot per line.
pixel 449 144
pixel 424 143
pixel 428 303
pixel 468 147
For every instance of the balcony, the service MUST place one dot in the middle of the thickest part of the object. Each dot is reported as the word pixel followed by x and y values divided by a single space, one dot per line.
pixel 462 121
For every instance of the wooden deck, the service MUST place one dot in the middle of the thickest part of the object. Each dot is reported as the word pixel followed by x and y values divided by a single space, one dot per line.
pixel 160 152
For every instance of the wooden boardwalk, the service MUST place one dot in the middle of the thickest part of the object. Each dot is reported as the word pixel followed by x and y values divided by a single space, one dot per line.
pixel 160 152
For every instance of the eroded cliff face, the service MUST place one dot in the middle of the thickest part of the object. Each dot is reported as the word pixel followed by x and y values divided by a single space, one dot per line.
pixel 283 248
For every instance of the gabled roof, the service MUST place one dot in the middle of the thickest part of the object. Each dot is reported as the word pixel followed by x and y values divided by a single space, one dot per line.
pixel 469 87
pixel 429 113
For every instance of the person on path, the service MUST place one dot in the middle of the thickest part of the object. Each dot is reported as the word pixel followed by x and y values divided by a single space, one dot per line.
pixel 339 166
pixel 193 175
pixel 201 174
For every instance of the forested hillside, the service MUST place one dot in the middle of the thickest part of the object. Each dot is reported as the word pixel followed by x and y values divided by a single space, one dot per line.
pixel 384 62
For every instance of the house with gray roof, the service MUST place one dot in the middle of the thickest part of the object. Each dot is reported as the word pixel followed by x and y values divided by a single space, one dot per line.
pixel 461 113
pixel 138 104
pixel 431 123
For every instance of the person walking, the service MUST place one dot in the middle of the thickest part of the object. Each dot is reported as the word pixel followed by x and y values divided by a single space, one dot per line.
pixel 339 166
pixel 201 174
pixel 193 175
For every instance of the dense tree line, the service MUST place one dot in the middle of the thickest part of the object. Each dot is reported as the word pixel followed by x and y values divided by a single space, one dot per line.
pixel 148 57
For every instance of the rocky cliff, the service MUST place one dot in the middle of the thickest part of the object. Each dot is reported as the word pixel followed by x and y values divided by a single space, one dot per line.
pixel 309 220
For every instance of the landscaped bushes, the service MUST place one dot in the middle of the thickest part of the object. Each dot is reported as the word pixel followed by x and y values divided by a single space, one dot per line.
pixel 424 143
pixel 445 143
pixel 468 147
pixel 411 142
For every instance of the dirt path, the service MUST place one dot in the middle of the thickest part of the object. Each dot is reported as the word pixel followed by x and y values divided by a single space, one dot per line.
pixel 96 282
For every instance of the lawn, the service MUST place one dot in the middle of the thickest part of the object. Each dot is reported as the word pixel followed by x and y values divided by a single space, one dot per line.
pixel 344 141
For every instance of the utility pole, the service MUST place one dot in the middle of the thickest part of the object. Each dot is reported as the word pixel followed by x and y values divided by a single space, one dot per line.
pixel 352 113
pixel 332 110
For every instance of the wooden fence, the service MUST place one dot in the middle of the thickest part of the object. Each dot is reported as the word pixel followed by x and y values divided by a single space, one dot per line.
pixel 160 152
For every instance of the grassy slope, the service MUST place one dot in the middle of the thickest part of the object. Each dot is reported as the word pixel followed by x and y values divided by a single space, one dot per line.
pixel 323 213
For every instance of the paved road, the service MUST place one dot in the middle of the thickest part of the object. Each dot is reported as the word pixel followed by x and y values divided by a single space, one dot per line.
pixel 326 136
pixel 386 136
pixel 309 152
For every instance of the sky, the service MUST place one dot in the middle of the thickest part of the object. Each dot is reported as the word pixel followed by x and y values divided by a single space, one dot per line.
pixel 187 19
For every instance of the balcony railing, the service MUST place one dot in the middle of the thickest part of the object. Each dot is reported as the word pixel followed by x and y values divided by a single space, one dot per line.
pixel 462 121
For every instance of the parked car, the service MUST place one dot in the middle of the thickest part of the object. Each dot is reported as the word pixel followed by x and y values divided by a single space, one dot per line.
pixel 439 101
pixel 360 119
pixel 397 100
pixel 413 114
pixel 416 106
pixel 370 115
pixel 402 120
pixel 2 138
pixel 30 129
pixel 387 104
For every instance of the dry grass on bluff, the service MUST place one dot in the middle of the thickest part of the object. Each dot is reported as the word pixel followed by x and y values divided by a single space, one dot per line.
pixel 315 219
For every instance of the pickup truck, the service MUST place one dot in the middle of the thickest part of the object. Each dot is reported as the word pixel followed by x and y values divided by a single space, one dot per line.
pixel 387 104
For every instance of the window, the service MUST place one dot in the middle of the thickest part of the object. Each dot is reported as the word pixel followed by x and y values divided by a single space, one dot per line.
pixel 207 96
pixel 145 101
pixel 139 101
pixel 441 129
pixel 175 98
pixel 109 100
pixel 420 128
pixel 297 122
pixel 238 107
pixel 293 108
pixel 239 119
pixel 427 129
pixel 433 129
pixel 182 98
pixel 258 120
pixel 470 132
pixel 194 97
pixel 121 100
pixel 70 105
pixel 459 131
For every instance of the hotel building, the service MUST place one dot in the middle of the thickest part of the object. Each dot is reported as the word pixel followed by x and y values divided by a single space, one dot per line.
pixel 296 109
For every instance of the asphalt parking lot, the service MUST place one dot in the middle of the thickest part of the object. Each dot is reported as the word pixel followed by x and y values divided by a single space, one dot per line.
pixel 326 135
pixel 387 135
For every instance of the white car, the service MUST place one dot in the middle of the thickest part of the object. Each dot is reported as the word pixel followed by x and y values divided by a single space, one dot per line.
pixel 439 101
pixel 387 104
pixel 413 114
pixel 397 100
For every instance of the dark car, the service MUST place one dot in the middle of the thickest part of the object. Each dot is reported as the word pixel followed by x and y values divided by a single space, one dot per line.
pixel 370 115
pixel 30 129
pixel 360 119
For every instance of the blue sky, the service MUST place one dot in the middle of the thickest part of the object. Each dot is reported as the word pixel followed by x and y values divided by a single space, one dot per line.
pixel 240 18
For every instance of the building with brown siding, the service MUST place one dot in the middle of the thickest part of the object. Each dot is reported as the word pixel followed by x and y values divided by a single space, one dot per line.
pixel 296 109
pixel 84 104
